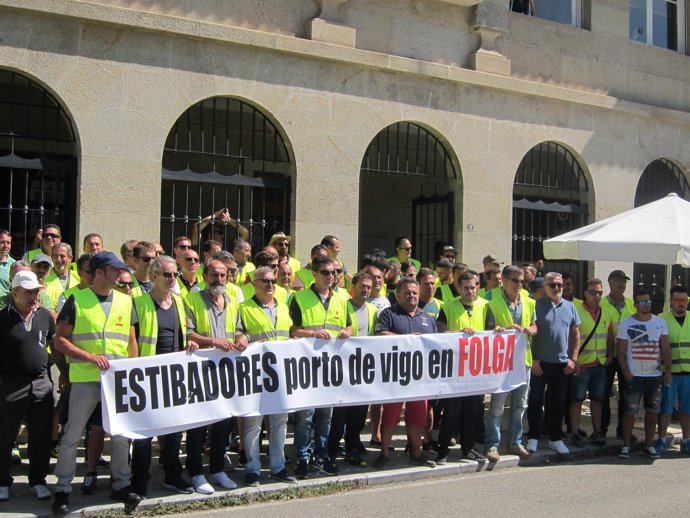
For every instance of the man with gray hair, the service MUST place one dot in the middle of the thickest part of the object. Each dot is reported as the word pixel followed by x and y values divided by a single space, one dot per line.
pixel 61 277
pixel 554 357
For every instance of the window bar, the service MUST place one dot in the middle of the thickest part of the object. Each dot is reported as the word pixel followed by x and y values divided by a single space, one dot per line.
pixel 263 136
pixel 26 207
pixel 172 216
pixel 397 147
pixel 416 153
pixel 9 206
pixel 241 131
pixel 254 112
pixel 275 143
pixel 407 147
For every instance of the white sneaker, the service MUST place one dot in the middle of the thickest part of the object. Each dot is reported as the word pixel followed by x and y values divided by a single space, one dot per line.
pixel 4 493
pixel 202 486
pixel 532 445
pixel 42 492
pixel 222 480
pixel 559 446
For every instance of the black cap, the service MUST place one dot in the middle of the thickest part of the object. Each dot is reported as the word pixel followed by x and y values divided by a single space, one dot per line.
pixel 618 274
pixel 103 259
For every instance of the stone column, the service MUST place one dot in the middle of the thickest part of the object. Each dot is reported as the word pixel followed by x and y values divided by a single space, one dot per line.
pixel 327 27
pixel 489 23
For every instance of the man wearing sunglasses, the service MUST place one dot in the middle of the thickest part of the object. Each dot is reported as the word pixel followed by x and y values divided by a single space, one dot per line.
pixel 553 359
pixel 268 260
pixel 403 253
pixel 593 355
pixel 281 242
pixel 317 312
pixel 60 277
pixel 642 340
pixel 161 329
pixel 188 280
pixel 264 318
pixel 50 236
pixel 512 309
pixel 143 254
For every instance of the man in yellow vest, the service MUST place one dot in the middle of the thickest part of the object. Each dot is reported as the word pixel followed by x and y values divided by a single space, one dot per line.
pixel 281 242
pixel 188 280
pixel 60 278
pixel 305 276
pixel 427 302
pixel 143 253
pixel 679 339
pixel 270 260
pixel 284 278
pixel 512 309
pixel 212 318
pixel 317 312
pixel 620 307
pixel 242 252
pixel 593 355
pixel 403 253
pixel 493 279
pixel 448 292
pixel 444 272
pixel 349 421
pixel 161 329
pixel 468 314
pixel 50 236
pixel 96 325
pixel 263 318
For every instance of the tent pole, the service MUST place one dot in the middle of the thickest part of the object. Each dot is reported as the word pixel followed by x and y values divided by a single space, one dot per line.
pixel 667 287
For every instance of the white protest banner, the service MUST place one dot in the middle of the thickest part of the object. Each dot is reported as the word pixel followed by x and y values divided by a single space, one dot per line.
pixel 155 395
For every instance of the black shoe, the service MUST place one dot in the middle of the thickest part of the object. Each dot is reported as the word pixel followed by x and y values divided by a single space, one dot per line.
pixel 597 439
pixel 442 459
pixel 90 483
pixel 302 470
pixel 252 479
pixel 429 446
pixel 473 454
pixel 381 462
pixel 354 458
pixel 127 496
pixel 284 476
pixel 102 463
pixel 61 502
pixel 361 449
pixel 326 467
pixel 242 461
pixel 408 448
pixel 576 440
pixel 179 484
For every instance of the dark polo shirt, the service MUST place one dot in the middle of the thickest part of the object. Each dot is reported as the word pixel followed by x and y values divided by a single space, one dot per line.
pixel 396 320
pixel 23 348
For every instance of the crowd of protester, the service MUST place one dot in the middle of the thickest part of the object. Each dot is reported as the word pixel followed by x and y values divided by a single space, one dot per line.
pixel 64 317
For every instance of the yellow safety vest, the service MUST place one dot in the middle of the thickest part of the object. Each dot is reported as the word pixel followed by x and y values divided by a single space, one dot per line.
pixel 96 334
pixel 446 294
pixel 54 287
pixel 295 266
pixel 306 276
pixel 617 318
pixel 371 313
pixel 258 326
pixel 203 322
pixel 499 307
pixel 438 303
pixel 148 322
pixel 314 316
pixel 242 277
pixel 679 340
pixel 596 348
pixel 184 291
pixel 416 263
pixel 280 294
pixel 457 317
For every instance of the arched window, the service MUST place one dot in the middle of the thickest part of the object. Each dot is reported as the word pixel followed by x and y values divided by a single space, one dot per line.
pixel 407 179
pixel 225 152
pixel 659 178
pixel 38 166
pixel 549 199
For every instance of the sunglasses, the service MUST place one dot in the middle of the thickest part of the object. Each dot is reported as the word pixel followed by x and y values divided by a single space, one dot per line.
pixel 406 248
pixel 266 281
pixel 644 302
pixel 594 293
pixel 232 271
pixel 50 234
pixel 555 285
pixel 338 270
pixel 274 266
pixel 517 281
pixel 125 284
pixel 184 247
pixel 327 273
pixel 168 275
pixel 146 259
pixel 283 244
pixel 191 259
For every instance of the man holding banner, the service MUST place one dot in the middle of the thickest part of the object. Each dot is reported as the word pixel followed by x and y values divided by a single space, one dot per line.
pixel 264 319
pixel 405 318
pixel 317 313
pixel 96 325
pixel 212 319
pixel 161 329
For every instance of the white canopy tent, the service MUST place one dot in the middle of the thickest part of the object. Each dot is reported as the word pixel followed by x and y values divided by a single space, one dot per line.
pixel 657 233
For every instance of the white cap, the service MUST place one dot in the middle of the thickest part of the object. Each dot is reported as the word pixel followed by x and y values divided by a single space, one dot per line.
pixel 26 280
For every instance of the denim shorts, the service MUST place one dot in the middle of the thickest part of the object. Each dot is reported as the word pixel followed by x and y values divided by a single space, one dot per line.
pixel 590 379
pixel 680 387
pixel 648 387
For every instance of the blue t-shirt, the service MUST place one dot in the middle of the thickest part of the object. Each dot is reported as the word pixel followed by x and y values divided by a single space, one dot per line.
pixel 550 344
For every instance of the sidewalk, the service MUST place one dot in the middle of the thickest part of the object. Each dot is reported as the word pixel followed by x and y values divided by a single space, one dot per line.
pixel 23 504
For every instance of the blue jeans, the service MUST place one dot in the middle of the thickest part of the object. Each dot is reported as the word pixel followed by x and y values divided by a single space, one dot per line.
pixel 518 403
pixel 276 442
pixel 305 421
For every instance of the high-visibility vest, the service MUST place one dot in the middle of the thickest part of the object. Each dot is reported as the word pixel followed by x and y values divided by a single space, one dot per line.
pixel 96 334
pixel 280 293
pixel 137 290
pixel 457 317
pixel 259 327
pixel 503 318
pixel 295 265
pixel 446 294
pixel 679 340
pixel 617 318
pixel 596 348
pixel 371 314
pixel 435 310
pixel 415 262
pixel 68 293
pixel 314 316
pixel 184 290
pixel 341 292
pixel 33 253
pixel 203 322
pixel 54 287
pixel 148 322
pixel 306 276
pixel 242 276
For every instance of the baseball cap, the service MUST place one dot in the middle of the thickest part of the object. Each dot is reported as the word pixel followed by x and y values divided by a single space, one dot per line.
pixel 491 259
pixel 278 236
pixel 26 279
pixel 103 259
pixel 448 248
pixel 618 274
pixel 537 282
pixel 41 258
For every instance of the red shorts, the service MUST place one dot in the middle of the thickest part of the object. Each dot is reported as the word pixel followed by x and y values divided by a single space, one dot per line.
pixel 415 413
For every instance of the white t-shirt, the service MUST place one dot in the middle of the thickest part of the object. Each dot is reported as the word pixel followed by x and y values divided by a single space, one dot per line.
pixel 643 355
